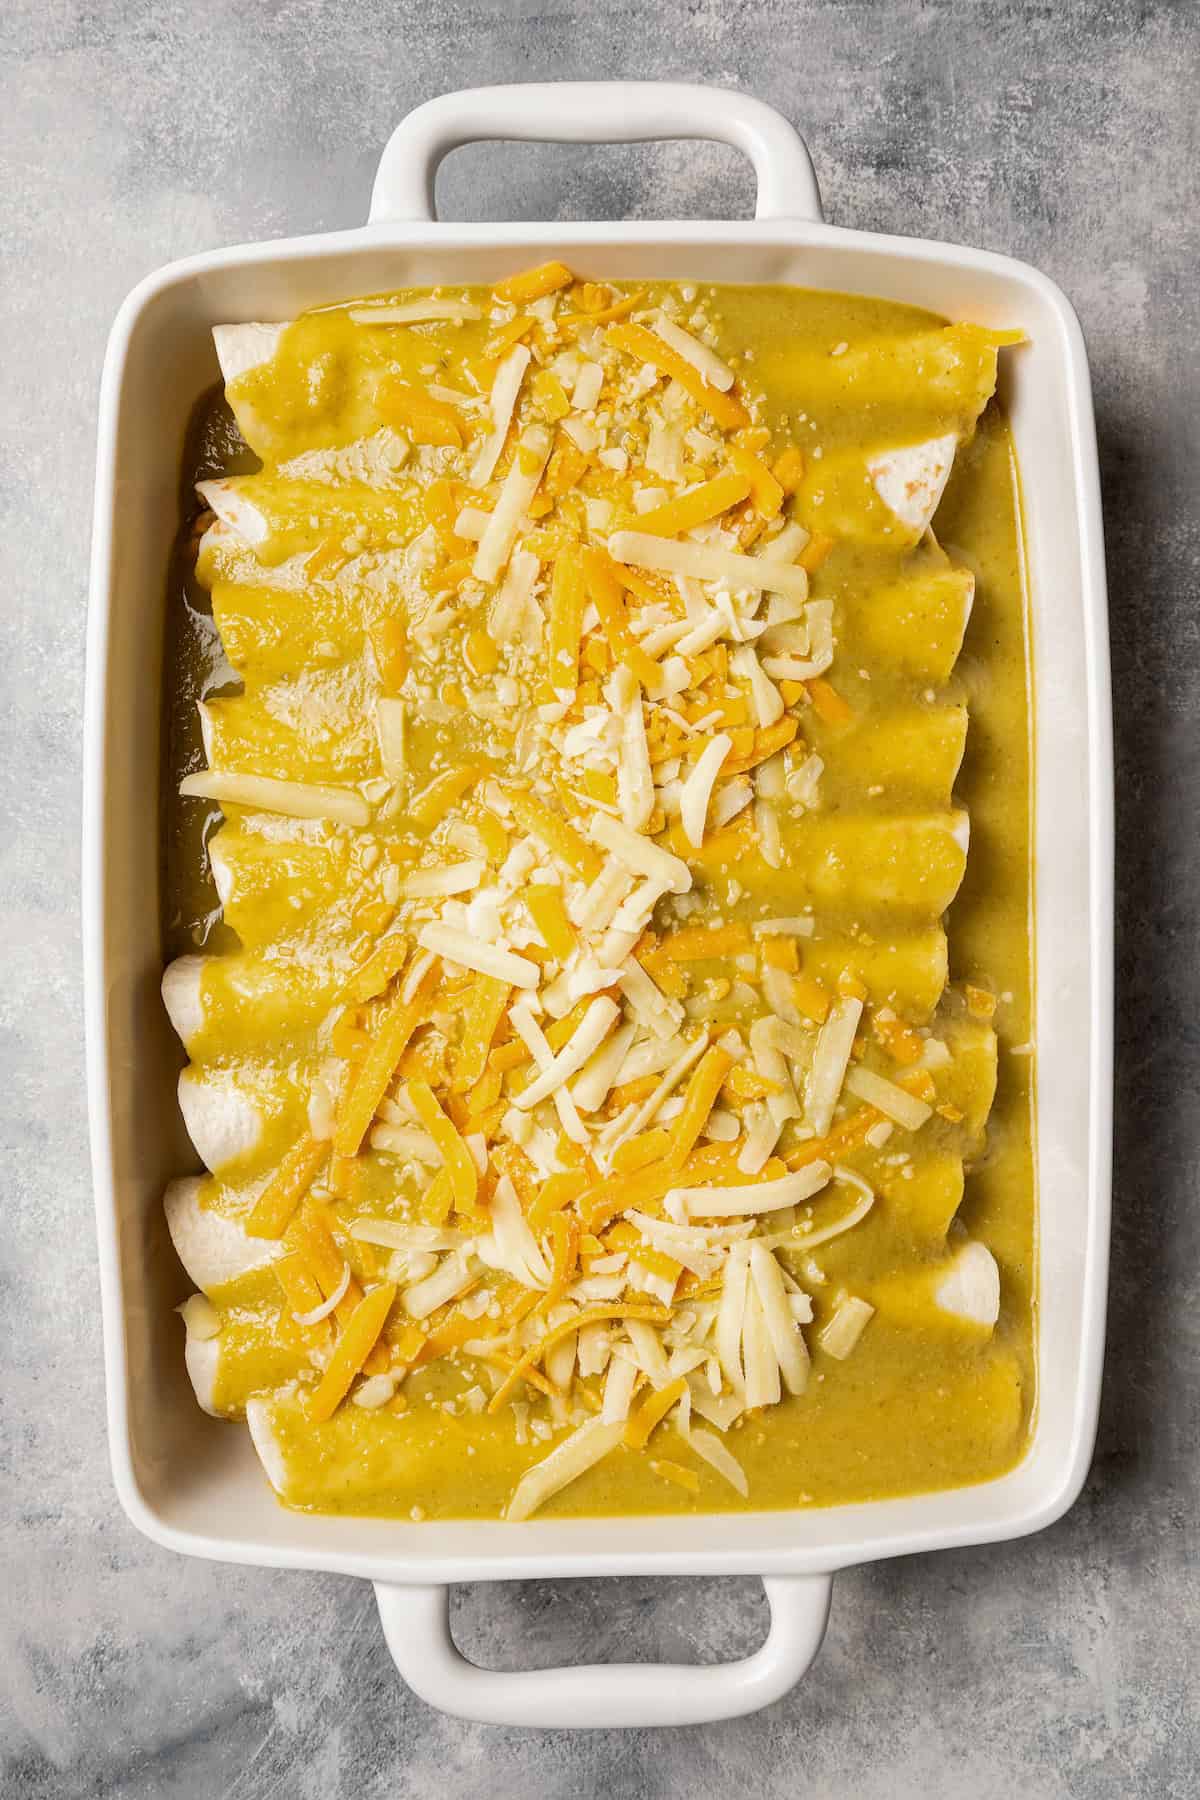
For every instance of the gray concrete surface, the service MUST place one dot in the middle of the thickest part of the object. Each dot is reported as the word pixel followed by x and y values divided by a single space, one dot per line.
pixel 132 132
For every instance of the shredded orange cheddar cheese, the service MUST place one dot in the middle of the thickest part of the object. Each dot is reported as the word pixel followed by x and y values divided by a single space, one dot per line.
pixel 558 836
pixel 375 1072
pixel 591 1315
pixel 652 1412
pixel 459 1163
pixel 546 908
pixel 706 501
pixel 485 1009
pixel 352 1350
pixel 675 1472
pixel 532 284
pixel 648 347
pixel 271 1213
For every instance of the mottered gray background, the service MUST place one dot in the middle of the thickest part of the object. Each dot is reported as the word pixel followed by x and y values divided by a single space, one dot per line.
pixel 135 131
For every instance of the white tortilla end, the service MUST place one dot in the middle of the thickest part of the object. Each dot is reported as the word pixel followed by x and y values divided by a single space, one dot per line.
pixel 200 1357
pixel 207 724
pixel 970 1289
pixel 222 1122
pixel 243 347
pixel 265 1441
pixel 911 481
pixel 181 997
pixel 233 509
pixel 217 534
pixel 213 1249
pixel 222 870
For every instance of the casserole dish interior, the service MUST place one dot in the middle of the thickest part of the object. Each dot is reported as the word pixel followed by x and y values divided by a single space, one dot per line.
pixel 196 1487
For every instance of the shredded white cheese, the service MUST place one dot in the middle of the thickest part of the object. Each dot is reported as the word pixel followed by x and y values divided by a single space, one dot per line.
pixel 588 384
pixel 390 734
pixel 751 1197
pixel 618 1390
pixel 768 701
pixel 533 1037
pixel 635 780
pixel 899 1105
pixel 706 362
pixel 484 959
pixel 787 1340
pixel 414 312
pixel 520 485
pixel 697 789
pixel 587 1037
pixel 835 1040
pixel 640 854
pixel 505 389
pixel 455 1273
pixel 515 613
pixel 565 1463
pixel 797 925
pixel 454 878
pixel 842 1332
pixel 295 799
pixel 707 562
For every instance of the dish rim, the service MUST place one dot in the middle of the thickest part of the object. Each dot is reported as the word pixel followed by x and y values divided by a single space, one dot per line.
pixel 427 1553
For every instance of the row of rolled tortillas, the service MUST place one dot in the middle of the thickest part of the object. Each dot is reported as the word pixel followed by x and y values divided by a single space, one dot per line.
pixel 223 1119
pixel 910 479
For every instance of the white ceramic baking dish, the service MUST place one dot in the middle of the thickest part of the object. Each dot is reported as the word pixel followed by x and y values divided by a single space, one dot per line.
pixel 196 1485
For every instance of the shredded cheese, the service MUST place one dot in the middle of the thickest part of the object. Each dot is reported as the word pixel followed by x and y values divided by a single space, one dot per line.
pixel 598 1076
pixel 752 1197
pixel 415 312
pixel 707 562
pixel 390 732
pixel 731 1316
pixel 484 959
pixel 850 1319
pixel 707 363
pixel 519 487
pixel 455 1154
pixel 455 878
pixel 895 1102
pixel 533 1037
pixel 661 1016
pixel 639 854
pixel 585 1447
pixel 697 789
pixel 506 386
pixel 635 781
pixel 835 1040
pixel 711 1450
pixel 768 701
pixel 787 1340
pixel 799 925
pixel 595 1026
pixel 351 1351
pixel 618 1391
pixel 295 799
pixel 454 1275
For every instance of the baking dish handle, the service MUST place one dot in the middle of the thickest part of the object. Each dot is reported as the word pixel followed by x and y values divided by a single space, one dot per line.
pixel 416 1624
pixel 597 112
